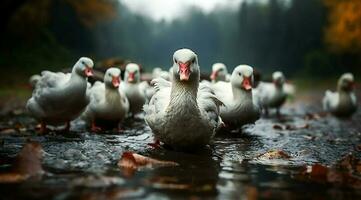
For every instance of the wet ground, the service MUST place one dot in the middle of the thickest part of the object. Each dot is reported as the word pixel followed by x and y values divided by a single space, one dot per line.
pixel 239 165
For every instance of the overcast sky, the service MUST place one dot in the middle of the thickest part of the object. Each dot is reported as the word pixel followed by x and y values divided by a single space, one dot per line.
pixel 170 9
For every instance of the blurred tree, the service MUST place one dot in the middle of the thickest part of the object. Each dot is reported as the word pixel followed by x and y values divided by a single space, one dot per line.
pixel 39 34
pixel 343 33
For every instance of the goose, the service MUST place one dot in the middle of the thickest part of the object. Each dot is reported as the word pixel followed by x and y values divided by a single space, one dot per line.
pixel 33 80
pixel 239 109
pixel 107 102
pixel 272 95
pixel 158 72
pixel 59 98
pixel 219 73
pixel 183 114
pixel 134 90
pixel 342 103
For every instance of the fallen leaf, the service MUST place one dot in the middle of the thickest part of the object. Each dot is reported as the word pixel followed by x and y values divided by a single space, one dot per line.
pixel 252 193
pixel 27 164
pixel 315 116
pixel 12 178
pixel 350 163
pixel 8 131
pixel 274 154
pixel 329 175
pixel 28 161
pixel 130 162
pixel 318 171
pixel 277 127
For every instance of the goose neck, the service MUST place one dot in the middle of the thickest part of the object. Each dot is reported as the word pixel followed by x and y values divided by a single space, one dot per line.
pixel 241 94
pixel 184 95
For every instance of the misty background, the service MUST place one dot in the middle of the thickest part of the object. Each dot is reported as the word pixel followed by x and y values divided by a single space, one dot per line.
pixel 303 38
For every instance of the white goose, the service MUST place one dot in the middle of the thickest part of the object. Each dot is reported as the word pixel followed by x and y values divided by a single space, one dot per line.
pixel 240 108
pixel 183 114
pixel 33 80
pixel 342 103
pixel 133 88
pixel 272 95
pixel 58 97
pixel 219 73
pixel 158 72
pixel 107 102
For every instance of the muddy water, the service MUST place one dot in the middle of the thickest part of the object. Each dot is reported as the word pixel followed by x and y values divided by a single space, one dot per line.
pixel 84 165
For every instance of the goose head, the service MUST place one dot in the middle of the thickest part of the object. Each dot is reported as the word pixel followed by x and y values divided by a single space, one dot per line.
pixel 112 78
pixel 278 78
pixel 34 79
pixel 185 66
pixel 132 73
pixel 84 67
pixel 219 72
pixel 346 82
pixel 242 77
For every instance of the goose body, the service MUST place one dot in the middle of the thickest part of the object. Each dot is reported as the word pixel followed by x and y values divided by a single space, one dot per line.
pixel 133 88
pixel 342 103
pixel 240 107
pixel 58 97
pixel 183 114
pixel 272 95
pixel 107 102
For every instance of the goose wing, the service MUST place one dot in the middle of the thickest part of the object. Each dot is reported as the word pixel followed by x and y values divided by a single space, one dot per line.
pixel 161 97
pixel 209 104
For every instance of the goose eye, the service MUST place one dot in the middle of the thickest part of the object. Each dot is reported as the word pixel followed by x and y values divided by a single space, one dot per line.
pixel 239 73
pixel 175 60
pixel 193 60
pixel 82 62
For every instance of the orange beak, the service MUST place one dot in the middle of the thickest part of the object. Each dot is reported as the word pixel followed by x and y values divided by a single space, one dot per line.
pixel 88 72
pixel 116 81
pixel 184 71
pixel 214 75
pixel 246 84
pixel 131 76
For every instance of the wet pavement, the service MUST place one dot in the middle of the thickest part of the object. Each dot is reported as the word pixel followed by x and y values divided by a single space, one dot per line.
pixel 238 165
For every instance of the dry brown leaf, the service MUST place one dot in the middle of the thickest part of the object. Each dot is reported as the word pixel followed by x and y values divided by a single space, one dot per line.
pixel 28 161
pixel 12 178
pixel 130 162
pixel 277 127
pixel 27 164
pixel 330 175
pixel 315 116
pixel 318 171
pixel 275 154
pixel 8 131
pixel 252 193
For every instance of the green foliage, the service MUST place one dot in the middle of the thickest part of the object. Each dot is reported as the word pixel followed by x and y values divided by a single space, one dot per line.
pixel 318 62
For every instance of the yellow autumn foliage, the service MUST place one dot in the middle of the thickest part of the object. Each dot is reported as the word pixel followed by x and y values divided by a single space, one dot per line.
pixel 343 33
pixel 90 12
